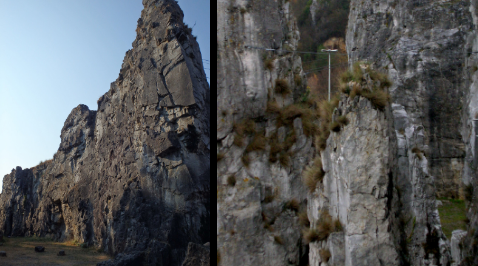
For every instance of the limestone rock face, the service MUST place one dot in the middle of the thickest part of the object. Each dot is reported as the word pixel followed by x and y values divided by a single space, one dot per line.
pixel 384 170
pixel 469 130
pixel 455 242
pixel 132 177
pixel 356 189
pixel 243 81
pixel 421 44
pixel 253 226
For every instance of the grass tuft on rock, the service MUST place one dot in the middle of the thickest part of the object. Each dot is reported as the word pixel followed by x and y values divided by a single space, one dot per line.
pixel 382 78
pixel 278 240
pixel 238 140
pixel 321 140
pixel 356 91
pixel 246 126
pixel 418 152
pixel 289 113
pixel 258 142
pixel 282 87
pixel 325 255
pixel 353 82
pixel 346 77
pixel 242 128
pixel 273 107
pixel 284 159
pixel 379 98
pixel 343 120
pixel 276 148
pixel 325 226
pixel 357 72
pixel 326 109
pixel 309 127
pixel 310 235
pixel 292 205
pixel 303 219
pixel 313 174
pixel 246 160
pixel 338 226
pixel 269 63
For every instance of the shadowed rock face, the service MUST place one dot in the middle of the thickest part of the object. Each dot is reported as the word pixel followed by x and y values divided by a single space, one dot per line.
pixel 132 177
pixel 197 255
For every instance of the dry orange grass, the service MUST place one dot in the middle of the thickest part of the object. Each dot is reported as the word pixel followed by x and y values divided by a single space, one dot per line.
pixel 21 251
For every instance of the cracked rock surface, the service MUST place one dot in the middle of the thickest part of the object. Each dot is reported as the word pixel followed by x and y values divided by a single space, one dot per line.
pixel 133 177
pixel 355 189
pixel 253 227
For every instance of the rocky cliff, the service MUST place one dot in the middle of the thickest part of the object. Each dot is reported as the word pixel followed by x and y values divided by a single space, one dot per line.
pixel 357 189
pixel 376 169
pixel 423 46
pixel 133 176
pixel 261 150
pixel 427 49
pixel 467 252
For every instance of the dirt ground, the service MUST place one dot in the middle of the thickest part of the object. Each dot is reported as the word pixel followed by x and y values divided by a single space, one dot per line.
pixel 21 251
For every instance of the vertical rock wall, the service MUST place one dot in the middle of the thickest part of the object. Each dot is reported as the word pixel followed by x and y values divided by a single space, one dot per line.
pixel 465 246
pixel 132 177
pixel 356 188
pixel 422 45
pixel 253 226
pixel 384 170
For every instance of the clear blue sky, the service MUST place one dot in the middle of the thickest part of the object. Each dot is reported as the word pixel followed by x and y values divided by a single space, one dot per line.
pixel 56 54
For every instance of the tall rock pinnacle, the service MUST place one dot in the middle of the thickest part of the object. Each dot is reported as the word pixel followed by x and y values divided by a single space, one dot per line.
pixel 133 176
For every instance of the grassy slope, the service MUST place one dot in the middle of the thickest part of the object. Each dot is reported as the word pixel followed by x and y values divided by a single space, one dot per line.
pixel 452 216
pixel 21 251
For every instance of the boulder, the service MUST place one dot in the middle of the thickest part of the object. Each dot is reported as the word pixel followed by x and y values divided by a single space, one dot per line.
pixel 3 254
pixel 39 249
pixel 61 253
